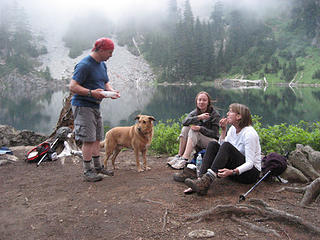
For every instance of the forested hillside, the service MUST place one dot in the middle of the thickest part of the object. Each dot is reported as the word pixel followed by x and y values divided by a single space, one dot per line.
pixel 279 41
pixel 19 48
pixel 283 44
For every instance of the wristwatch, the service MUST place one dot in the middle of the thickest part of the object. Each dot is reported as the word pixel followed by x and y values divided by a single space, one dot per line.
pixel 234 173
pixel 89 93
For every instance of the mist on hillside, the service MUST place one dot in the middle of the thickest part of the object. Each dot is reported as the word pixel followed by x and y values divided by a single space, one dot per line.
pixel 57 15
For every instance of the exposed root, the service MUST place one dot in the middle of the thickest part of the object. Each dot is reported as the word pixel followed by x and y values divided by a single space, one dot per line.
pixel 165 219
pixel 257 207
pixel 292 189
pixel 222 209
pixel 151 201
pixel 311 192
pixel 254 227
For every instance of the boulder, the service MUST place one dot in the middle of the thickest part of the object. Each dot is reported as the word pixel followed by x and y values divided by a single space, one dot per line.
pixel 7 158
pixel 11 137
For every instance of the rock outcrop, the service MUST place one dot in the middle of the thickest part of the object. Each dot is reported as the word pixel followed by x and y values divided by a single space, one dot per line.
pixel 10 137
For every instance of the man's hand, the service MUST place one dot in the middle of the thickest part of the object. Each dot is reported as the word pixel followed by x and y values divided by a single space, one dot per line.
pixel 97 93
pixel 117 96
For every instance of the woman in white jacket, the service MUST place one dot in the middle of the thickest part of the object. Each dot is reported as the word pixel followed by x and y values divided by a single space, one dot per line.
pixel 237 155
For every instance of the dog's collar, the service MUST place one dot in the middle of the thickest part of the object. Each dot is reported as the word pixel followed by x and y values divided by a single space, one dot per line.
pixel 143 134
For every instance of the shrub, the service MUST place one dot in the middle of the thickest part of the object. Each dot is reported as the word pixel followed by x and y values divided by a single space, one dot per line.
pixel 280 138
pixel 283 138
pixel 165 138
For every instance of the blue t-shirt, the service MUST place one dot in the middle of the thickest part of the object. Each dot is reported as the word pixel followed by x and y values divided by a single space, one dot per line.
pixel 92 75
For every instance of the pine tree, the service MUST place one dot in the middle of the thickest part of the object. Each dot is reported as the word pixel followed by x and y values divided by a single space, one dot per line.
pixel 217 21
pixel 188 47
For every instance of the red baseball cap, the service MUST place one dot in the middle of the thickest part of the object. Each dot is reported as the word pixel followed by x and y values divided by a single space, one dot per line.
pixel 103 44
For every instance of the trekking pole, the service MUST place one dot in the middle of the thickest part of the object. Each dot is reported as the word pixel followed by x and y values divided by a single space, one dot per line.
pixel 243 197
pixel 44 156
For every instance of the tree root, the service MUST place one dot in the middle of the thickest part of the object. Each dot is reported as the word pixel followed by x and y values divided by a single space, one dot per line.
pixel 254 227
pixel 311 192
pixel 165 219
pixel 257 207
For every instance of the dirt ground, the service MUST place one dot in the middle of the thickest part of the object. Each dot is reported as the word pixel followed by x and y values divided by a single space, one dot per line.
pixel 53 202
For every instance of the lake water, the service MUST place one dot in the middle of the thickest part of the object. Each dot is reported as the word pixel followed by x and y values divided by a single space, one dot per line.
pixel 275 105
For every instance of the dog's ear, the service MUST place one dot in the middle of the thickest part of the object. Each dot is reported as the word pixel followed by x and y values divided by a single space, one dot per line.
pixel 137 117
pixel 152 118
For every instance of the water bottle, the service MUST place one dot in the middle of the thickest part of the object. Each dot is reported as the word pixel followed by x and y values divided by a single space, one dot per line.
pixel 109 94
pixel 198 164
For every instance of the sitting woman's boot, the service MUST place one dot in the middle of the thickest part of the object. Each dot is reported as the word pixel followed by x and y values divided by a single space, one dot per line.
pixel 200 185
pixel 183 175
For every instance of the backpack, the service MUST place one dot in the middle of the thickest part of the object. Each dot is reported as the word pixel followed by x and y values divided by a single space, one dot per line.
pixel 36 154
pixel 274 162
pixel 194 159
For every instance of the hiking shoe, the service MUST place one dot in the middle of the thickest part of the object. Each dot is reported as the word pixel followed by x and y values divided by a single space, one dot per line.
pixel 92 176
pixel 180 163
pixel 186 173
pixel 173 160
pixel 104 171
pixel 200 185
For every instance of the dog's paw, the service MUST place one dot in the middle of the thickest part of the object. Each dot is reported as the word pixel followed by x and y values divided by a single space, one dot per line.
pixel 147 168
pixel 140 170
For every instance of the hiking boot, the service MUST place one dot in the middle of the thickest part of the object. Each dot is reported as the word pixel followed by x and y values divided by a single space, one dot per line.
pixel 186 173
pixel 200 185
pixel 92 176
pixel 104 171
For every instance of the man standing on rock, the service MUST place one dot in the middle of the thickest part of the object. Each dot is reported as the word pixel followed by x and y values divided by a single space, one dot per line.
pixel 89 80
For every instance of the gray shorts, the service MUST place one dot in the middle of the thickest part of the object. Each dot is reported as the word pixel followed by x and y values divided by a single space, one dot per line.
pixel 88 125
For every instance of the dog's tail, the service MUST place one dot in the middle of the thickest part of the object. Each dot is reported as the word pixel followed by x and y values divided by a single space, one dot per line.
pixel 102 144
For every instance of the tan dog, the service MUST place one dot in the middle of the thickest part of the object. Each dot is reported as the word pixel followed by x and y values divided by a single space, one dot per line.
pixel 138 137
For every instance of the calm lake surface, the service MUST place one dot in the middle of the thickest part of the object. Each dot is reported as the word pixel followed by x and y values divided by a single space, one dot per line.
pixel 275 105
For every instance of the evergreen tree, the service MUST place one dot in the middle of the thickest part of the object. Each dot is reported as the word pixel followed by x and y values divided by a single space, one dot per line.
pixel 217 21
pixel 199 43
pixel 237 36
pixel 209 63
pixel 275 65
pixel 5 24
pixel 188 47
pixel 173 16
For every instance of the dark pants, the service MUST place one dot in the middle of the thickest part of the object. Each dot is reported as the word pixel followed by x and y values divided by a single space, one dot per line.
pixel 227 156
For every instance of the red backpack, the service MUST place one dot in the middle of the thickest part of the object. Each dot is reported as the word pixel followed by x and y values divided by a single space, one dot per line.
pixel 35 154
